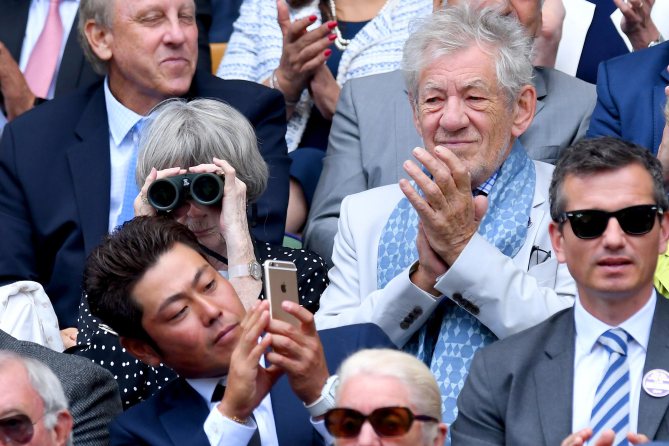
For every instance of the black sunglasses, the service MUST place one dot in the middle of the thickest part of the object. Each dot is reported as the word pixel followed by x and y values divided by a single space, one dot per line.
pixel 17 428
pixel 386 421
pixel 591 223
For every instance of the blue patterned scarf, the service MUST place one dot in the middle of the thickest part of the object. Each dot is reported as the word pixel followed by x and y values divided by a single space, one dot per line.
pixel 448 340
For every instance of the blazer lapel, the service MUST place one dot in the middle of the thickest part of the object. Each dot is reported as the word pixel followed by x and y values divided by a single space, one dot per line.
pixel 90 168
pixel 659 99
pixel 540 85
pixel 72 64
pixel 554 381
pixel 13 21
pixel 184 416
pixel 653 410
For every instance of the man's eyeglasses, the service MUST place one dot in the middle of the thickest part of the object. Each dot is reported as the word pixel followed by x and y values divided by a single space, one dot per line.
pixel 591 223
pixel 386 421
pixel 17 428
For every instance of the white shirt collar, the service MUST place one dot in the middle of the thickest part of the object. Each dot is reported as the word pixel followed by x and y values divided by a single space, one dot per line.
pixel 205 386
pixel 589 328
pixel 121 119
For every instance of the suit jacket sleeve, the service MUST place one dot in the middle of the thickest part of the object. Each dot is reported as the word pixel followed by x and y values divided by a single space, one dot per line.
pixel 605 120
pixel 95 401
pixel 17 253
pixel 269 120
pixel 342 175
pixel 480 421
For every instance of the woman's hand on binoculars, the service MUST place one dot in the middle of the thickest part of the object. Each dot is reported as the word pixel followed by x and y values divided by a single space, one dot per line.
pixel 141 204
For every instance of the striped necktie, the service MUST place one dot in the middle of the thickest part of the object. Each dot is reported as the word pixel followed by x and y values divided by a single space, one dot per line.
pixel 611 408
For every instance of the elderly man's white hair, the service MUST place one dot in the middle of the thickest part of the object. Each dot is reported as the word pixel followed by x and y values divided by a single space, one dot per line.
pixel 423 389
pixel 46 384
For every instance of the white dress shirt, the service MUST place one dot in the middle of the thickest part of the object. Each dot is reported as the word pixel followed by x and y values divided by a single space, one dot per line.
pixel 121 145
pixel 222 431
pixel 39 10
pixel 591 360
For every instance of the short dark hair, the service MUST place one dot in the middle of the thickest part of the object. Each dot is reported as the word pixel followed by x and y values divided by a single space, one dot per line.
pixel 603 154
pixel 114 268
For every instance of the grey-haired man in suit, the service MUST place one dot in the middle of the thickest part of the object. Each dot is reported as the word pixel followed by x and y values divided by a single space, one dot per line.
pixel 597 370
pixel 91 390
pixel 373 133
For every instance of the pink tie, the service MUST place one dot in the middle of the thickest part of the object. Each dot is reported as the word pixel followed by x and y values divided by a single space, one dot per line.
pixel 42 63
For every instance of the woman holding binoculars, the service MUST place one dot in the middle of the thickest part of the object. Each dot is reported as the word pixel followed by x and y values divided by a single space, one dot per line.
pixel 199 163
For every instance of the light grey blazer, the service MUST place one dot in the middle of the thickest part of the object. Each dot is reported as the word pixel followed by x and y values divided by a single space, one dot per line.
pixel 373 133
pixel 91 390
pixel 519 390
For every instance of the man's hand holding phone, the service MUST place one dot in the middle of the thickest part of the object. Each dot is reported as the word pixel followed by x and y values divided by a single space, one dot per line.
pixel 298 351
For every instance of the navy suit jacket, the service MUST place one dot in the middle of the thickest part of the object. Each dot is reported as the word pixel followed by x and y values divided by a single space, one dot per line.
pixel 175 415
pixel 75 71
pixel 55 183
pixel 630 97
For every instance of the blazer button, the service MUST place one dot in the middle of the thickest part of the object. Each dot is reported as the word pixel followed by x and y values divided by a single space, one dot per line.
pixel 404 325
pixel 417 311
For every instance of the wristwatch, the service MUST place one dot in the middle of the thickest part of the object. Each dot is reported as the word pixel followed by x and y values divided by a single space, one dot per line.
pixel 252 269
pixel 327 399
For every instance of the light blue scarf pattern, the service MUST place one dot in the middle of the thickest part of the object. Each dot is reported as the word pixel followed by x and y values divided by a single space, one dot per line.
pixel 448 341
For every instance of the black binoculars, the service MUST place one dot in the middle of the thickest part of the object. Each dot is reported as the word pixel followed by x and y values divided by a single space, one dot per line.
pixel 168 193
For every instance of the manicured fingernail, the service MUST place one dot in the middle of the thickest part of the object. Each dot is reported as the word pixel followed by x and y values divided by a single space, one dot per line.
pixel 327 52
pixel 312 18
pixel 331 37
pixel 332 24
pixel 437 149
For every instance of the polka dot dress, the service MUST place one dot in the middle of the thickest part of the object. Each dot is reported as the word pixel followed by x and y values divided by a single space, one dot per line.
pixel 138 381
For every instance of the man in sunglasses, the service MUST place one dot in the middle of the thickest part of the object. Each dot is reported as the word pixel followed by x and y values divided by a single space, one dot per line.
pixel 33 406
pixel 150 283
pixel 598 370
pixel 398 403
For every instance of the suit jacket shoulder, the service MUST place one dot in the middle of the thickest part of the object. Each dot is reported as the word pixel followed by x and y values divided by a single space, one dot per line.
pixel 519 389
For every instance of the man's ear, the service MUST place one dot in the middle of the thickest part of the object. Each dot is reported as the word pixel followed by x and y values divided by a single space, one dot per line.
pixel 99 38
pixel 523 110
pixel 557 240
pixel 141 350
pixel 62 430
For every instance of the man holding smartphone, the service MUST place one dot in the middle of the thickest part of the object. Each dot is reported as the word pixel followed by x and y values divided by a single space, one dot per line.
pixel 151 284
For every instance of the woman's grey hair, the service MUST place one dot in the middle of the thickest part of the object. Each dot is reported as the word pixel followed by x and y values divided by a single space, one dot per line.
pixel 423 389
pixel 462 26
pixel 101 12
pixel 184 134
pixel 45 383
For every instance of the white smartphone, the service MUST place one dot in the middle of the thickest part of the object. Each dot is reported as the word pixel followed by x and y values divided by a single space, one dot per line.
pixel 280 284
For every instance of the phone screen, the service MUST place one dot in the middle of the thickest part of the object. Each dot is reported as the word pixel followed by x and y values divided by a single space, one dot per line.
pixel 280 285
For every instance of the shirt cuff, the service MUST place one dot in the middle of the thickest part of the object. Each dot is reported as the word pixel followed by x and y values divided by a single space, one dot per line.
pixel 319 425
pixel 221 430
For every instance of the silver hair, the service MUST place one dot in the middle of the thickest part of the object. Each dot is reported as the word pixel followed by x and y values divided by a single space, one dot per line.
pixel 101 12
pixel 184 134
pixel 462 26
pixel 423 390
pixel 45 383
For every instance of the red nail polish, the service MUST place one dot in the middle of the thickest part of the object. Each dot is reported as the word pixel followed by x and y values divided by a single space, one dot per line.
pixel 312 18
pixel 332 25
pixel 331 37
pixel 327 52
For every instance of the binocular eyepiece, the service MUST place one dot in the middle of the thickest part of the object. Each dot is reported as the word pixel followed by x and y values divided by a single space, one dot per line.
pixel 169 193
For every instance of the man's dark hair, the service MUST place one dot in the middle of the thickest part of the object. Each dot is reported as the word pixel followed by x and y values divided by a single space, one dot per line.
pixel 590 156
pixel 114 268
